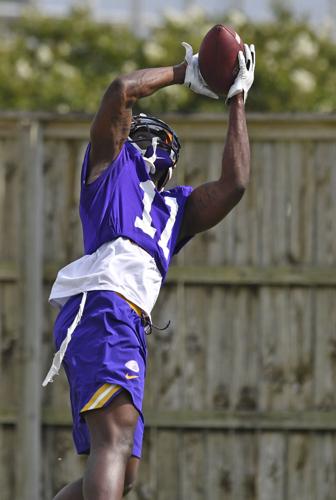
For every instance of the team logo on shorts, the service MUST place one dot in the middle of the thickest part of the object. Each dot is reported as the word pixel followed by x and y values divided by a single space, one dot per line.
pixel 133 366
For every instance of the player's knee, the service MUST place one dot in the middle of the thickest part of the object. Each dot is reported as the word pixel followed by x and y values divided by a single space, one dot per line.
pixel 119 441
pixel 124 441
pixel 116 440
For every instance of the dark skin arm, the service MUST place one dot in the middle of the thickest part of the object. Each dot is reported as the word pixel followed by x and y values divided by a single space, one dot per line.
pixel 209 203
pixel 111 125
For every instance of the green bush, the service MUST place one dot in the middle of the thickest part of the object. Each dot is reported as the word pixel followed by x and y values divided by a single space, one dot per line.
pixel 65 64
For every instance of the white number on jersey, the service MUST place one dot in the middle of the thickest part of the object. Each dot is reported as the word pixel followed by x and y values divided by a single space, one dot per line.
pixel 166 233
pixel 145 223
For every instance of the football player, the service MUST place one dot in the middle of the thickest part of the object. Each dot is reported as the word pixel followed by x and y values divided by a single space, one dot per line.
pixel 132 227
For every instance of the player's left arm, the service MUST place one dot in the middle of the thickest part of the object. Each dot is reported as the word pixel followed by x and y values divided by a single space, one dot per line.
pixel 209 203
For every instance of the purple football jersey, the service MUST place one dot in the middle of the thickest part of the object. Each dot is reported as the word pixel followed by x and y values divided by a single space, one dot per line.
pixel 123 201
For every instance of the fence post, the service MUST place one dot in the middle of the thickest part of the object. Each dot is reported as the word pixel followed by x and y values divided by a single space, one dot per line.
pixel 29 422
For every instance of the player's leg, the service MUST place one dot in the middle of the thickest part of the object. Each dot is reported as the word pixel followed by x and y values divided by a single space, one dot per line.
pixel 74 490
pixel 111 435
pixel 87 385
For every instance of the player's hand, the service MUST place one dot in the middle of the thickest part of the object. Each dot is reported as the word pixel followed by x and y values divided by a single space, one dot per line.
pixel 245 77
pixel 193 78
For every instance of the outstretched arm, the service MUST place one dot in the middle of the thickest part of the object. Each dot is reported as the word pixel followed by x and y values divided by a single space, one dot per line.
pixel 111 125
pixel 211 202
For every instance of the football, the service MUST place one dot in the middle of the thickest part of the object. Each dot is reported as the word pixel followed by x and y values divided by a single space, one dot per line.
pixel 218 58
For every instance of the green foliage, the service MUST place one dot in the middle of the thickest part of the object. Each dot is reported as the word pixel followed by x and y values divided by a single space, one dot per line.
pixel 65 64
pixel 62 64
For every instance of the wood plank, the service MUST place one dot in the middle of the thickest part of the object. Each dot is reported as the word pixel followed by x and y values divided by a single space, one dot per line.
pixel 273 276
pixel 10 217
pixel 274 333
pixel 57 204
pixel 3 189
pixel 232 466
pixel 219 348
pixel 164 379
pixel 245 465
pixel 325 349
pixel 8 463
pixel 271 467
pixel 254 208
pixel 267 214
pixel 325 204
pixel 299 332
pixel 194 359
pixel 219 241
pixel 319 421
pixel 324 467
pixel 279 228
pixel 268 352
pixel 301 203
pixel 9 271
pixel 246 370
pixel 146 485
pixel 193 463
pixel 220 466
pixel 262 126
pixel 10 359
pixel 300 467
pixel 196 165
pixel 31 259
pixel 168 471
pixel 8 128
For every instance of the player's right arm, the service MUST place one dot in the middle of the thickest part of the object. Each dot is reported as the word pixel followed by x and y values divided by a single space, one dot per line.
pixel 111 124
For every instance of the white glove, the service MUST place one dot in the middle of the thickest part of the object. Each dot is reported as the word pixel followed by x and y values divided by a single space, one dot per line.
pixel 193 78
pixel 245 76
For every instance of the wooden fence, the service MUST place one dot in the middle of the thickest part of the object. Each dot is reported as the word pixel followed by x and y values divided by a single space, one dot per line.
pixel 241 400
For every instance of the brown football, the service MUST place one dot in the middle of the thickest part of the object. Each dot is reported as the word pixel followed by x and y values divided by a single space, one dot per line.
pixel 218 58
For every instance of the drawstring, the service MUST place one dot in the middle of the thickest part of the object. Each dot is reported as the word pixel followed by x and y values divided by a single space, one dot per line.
pixel 58 358
pixel 148 325
pixel 145 319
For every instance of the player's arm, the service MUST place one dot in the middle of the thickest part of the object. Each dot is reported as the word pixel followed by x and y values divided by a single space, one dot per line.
pixel 111 124
pixel 209 203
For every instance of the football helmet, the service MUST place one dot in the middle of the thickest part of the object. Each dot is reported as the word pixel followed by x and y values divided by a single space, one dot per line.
pixel 162 154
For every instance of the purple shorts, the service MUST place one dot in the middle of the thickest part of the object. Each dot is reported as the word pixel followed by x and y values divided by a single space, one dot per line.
pixel 106 354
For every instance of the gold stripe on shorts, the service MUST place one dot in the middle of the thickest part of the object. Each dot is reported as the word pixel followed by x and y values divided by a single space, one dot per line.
pixel 101 396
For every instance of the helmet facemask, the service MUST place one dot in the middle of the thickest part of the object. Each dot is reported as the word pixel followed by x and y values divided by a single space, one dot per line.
pixel 160 152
